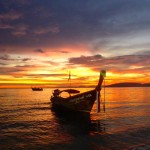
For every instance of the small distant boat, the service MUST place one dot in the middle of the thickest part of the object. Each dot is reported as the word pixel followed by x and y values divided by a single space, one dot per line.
pixel 81 102
pixel 37 89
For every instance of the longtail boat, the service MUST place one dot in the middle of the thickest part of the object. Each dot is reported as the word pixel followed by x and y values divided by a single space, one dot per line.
pixel 37 89
pixel 81 102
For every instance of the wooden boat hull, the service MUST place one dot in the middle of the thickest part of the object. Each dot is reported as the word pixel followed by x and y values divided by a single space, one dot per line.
pixel 37 89
pixel 82 102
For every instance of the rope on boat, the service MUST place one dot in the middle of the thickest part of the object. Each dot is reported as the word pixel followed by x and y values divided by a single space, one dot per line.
pixel 102 100
pixel 99 99
pixel 104 97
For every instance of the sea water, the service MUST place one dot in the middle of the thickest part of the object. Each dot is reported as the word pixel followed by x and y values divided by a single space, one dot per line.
pixel 27 121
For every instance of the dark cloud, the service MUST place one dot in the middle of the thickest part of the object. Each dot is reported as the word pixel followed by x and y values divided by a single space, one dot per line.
pixel 71 22
pixel 61 51
pixel 3 50
pixel 16 70
pixel 6 57
pixel 126 62
pixel 5 26
pixel 143 52
pixel 39 50
pixel 2 64
pixel 85 59
pixel 50 63
pixel 9 70
pixel 19 30
pixel 10 16
pixel 45 30
pixel 46 75
pixel 26 59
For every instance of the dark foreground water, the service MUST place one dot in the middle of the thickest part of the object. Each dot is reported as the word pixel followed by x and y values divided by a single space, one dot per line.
pixel 27 122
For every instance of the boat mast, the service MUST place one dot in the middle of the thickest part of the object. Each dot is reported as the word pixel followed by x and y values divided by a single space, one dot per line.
pixel 69 79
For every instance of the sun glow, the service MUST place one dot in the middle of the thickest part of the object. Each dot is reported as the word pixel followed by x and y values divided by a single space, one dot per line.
pixel 82 72
pixel 54 72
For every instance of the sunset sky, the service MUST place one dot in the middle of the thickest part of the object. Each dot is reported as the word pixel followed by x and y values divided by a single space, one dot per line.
pixel 42 40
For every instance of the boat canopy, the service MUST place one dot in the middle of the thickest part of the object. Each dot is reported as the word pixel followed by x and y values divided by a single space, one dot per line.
pixel 71 91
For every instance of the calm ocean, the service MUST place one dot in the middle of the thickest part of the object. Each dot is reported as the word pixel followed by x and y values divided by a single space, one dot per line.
pixel 27 122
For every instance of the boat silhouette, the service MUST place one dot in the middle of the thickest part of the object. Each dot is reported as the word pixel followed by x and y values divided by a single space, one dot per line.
pixel 37 89
pixel 81 102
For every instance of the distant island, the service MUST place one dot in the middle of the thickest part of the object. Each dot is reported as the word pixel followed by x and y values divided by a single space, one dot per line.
pixel 129 84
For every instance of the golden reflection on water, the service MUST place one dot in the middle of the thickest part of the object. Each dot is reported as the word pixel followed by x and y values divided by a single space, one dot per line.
pixel 26 118
pixel 125 107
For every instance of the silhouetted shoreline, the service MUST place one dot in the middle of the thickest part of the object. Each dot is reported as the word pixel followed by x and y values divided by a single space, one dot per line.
pixel 129 84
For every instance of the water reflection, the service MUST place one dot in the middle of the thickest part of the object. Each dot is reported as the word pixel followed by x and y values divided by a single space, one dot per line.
pixel 27 122
pixel 79 123
pixel 97 127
